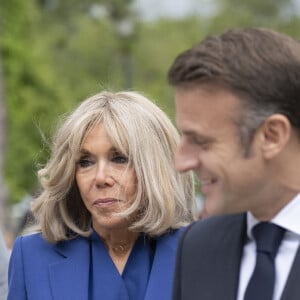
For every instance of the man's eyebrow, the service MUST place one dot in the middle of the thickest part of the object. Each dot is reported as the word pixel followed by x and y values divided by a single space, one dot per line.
pixel 188 132
pixel 192 133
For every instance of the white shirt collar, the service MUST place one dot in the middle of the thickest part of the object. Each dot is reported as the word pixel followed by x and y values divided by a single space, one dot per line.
pixel 288 218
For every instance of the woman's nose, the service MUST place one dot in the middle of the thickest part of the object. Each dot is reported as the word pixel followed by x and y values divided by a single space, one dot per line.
pixel 103 175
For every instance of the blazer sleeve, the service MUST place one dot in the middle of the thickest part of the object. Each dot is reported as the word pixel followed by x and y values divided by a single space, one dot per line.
pixel 16 283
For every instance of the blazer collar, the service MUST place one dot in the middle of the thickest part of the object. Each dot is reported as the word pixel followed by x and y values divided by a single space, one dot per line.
pixel 233 246
pixel 229 240
pixel 163 266
pixel 69 276
pixel 291 289
pixel 70 272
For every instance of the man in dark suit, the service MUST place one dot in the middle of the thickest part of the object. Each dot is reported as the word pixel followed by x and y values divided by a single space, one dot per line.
pixel 237 101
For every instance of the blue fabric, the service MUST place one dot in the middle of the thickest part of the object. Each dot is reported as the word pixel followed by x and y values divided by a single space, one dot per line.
pixel 40 270
pixel 132 284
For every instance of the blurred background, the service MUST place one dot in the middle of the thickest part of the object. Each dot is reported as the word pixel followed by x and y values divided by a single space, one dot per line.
pixel 55 53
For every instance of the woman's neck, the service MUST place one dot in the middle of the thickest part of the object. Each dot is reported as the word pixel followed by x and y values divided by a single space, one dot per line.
pixel 119 243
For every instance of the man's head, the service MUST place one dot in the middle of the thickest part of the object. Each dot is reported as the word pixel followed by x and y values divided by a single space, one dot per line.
pixel 238 105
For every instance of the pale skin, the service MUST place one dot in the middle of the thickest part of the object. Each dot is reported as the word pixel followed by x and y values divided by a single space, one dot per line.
pixel 262 182
pixel 107 185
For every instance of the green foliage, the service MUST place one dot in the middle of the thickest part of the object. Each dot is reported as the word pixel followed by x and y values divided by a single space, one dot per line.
pixel 158 44
pixel 268 13
pixel 32 93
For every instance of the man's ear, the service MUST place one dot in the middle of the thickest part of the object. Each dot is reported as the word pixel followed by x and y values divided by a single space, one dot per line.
pixel 275 134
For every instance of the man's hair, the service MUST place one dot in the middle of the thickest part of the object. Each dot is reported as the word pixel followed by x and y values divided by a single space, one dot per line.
pixel 260 66
pixel 141 131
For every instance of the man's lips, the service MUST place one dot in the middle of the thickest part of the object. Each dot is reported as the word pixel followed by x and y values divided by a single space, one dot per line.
pixel 206 184
pixel 103 202
pixel 207 181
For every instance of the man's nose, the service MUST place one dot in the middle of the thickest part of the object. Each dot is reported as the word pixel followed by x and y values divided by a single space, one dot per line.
pixel 186 158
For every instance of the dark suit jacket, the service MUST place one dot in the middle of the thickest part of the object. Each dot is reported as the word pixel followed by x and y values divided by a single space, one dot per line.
pixel 42 271
pixel 208 261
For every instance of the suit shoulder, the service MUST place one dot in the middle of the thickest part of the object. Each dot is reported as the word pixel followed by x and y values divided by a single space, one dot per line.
pixel 216 227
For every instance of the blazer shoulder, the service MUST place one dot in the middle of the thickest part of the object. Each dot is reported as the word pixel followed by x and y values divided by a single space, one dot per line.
pixel 35 243
pixel 173 235
pixel 30 240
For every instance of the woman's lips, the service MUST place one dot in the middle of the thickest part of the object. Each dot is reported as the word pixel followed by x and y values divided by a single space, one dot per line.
pixel 104 202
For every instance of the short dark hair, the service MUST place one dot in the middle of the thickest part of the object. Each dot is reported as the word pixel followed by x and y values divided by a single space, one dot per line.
pixel 259 65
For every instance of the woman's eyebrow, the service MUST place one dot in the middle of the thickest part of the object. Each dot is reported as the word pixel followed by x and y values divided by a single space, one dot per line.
pixel 84 151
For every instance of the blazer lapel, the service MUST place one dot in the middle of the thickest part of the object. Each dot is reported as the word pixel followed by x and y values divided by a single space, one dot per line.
pixel 161 277
pixel 292 288
pixel 69 277
pixel 224 258
pixel 229 263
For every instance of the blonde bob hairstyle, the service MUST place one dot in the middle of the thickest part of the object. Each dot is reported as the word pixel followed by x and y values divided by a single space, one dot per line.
pixel 141 131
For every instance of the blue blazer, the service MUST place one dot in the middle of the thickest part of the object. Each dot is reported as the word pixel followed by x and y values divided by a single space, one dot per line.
pixel 39 270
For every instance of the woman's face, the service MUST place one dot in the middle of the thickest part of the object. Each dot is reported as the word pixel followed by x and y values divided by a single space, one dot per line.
pixel 106 181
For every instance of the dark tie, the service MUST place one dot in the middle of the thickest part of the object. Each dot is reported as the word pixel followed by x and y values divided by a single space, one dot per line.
pixel 268 237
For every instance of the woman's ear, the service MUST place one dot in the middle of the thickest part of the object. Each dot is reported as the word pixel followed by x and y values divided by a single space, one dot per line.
pixel 275 134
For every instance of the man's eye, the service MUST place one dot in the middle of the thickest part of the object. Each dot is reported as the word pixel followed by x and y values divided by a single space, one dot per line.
pixel 119 158
pixel 201 142
pixel 84 162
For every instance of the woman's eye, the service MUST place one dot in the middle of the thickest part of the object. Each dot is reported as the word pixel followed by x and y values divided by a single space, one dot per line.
pixel 84 162
pixel 119 158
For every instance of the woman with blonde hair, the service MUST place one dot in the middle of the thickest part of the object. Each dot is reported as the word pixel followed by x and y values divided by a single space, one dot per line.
pixel 111 209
